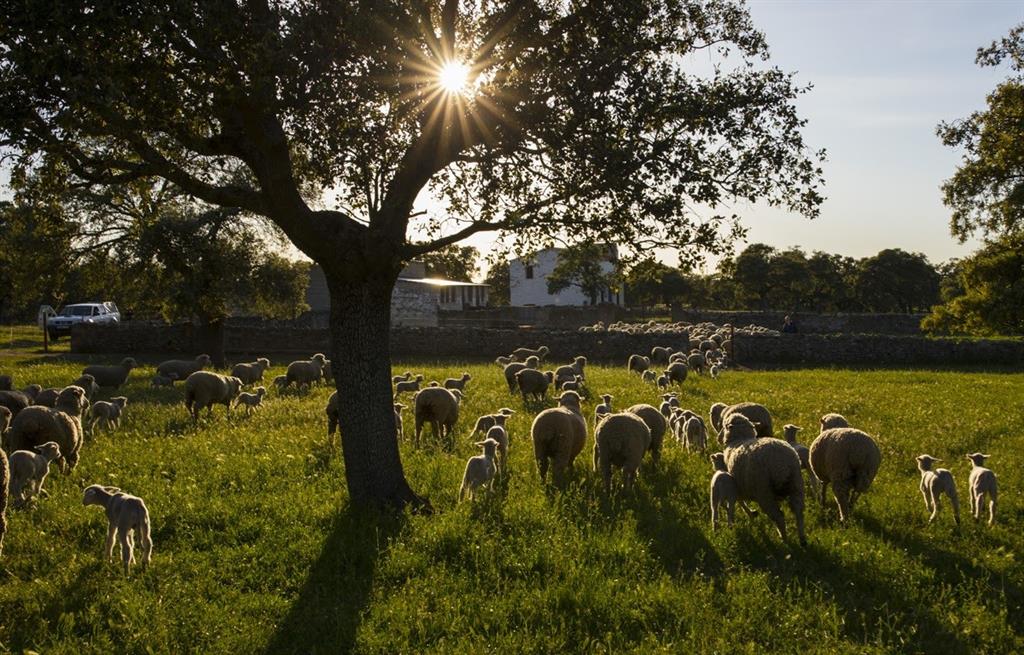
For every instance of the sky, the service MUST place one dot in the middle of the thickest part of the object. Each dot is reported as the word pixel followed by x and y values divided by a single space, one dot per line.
pixel 885 73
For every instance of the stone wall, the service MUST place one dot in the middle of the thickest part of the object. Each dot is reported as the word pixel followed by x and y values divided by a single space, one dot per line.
pixel 808 323
pixel 481 344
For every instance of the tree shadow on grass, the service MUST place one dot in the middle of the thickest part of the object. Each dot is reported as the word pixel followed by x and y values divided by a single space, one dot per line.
pixel 326 614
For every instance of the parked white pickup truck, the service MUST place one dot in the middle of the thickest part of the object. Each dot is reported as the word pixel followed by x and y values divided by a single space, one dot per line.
pixel 87 312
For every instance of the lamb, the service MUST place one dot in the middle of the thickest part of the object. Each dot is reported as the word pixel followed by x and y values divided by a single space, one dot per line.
pixel 34 426
pixel 758 415
pixel 281 383
pixel 127 515
pixel 934 483
pixel 847 458
pixel 789 434
pixel 499 434
pixel 723 490
pixel 982 482
pixel 251 372
pixel 714 371
pixel 558 435
pixel 458 383
pixel 830 421
pixel 765 470
pixel 502 361
pixel 88 384
pixel 655 423
pixel 205 389
pixel 662 382
pixel 570 371
pixel 480 470
pixel 695 433
pixel 399 433
pixel 604 409
pixel 526 353
pixel 576 384
pixel 252 401
pixel 28 468
pixel 669 401
pixel 408 385
pixel 306 372
pixel 401 378
pixel 638 364
pixel 107 412
pixel 648 376
pixel 487 421
pixel 440 408
pixel 620 440
pixel 161 381
pixel 676 372
pixel 532 382
pixel 180 369
pixel 111 376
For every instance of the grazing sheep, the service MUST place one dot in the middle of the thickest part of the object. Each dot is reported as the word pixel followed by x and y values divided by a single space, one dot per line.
pixel 696 362
pixel 180 369
pixel 458 383
pixel 440 408
pixel 677 357
pixel 306 372
pixel 499 434
pixel 570 371
pixel 32 391
pixel 676 372
pixel 502 361
pixel 408 385
pixel 638 364
pixel 620 440
pixel 849 460
pixel 111 376
pixel 934 483
pixel 252 401
pixel 669 401
pixel 831 421
pixel 88 384
pixel 30 468
pixel 604 409
pixel 765 470
pixel 695 433
pixel 532 362
pixel 108 412
pixel 789 434
pixel 714 371
pixel 401 378
pixel 206 388
pixel 399 433
pixel 758 415
pixel 571 400
pixel 480 470
pixel 47 397
pixel 281 383
pixel 576 384
pixel 6 383
pixel 526 353
pixel 534 383
pixel 982 482
pixel 558 436
pixel 656 423
pixel 487 421
pixel 161 381
pixel 14 401
pixel 126 515
pixel 251 372
pixel 660 355
pixel 723 490
pixel 34 426
pixel 662 382
pixel 648 377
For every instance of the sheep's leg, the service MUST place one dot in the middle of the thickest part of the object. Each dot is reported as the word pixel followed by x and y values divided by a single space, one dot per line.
pixel 841 490
pixel 147 543
pixel 955 503
pixel 730 512
pixel 935 505
pixel 628 477
pixel 127 541
pixel 714 515
pixel 821 492
pixel 606 475
pixel 774 512
pixel 927 498
pixel 542 468
pixel 750 512
pixel 108 548
pixel 796 504
pixel 992 508
pixel 975 505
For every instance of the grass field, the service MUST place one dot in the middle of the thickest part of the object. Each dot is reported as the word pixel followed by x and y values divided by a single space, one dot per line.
pixel 256 549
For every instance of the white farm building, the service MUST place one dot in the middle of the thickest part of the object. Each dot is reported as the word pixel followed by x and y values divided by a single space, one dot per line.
pixel 528 281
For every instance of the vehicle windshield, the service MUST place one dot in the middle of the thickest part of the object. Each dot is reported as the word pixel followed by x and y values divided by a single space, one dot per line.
pixel 76 310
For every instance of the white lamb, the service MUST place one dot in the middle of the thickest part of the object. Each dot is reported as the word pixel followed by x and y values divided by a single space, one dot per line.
pixel 126 515
pixel 723 490
pixel 934 483
pixel 982 482
pixel 252 401
pixel 109 413
pixel 480 470
pixel 29 470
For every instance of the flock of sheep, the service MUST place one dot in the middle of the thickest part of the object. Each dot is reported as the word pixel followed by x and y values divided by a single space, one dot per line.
pixel 41 426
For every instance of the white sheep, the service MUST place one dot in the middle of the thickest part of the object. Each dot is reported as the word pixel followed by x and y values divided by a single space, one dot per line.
pixel 571 371
pixel 111 376
pixel 480 470
pixel 107 412
pixel 662 382
pixel 251 372
pixel 161 381
pixel 458 383
pixel 502 361
pixel 252 401
pixel 620 440
pixel 408 385
pixel 831 421
pixel 126 516
pixel 205 389
pixel 758 415
pixel 534 383
pixel 398 420
pixel 306 372
pixel 934 483
pixel 695 433
pixel 401 378
pixel 638 364
pixel 487 421
pixel 34 426
pixel 803 452
pixel 982 482
pixel 499 434
pixel 723 490
pixel 714 371
pixel 29 469
pixel 558 435
pixel 281 383
pixel 440 408
pixel 180 369
pixel 648 376
pixel 526 354
pixel 604 408
pixel 848 459
pixel 88 384
pixel 576 384
pixel 660 354
pixel 656 423
pixel 676 372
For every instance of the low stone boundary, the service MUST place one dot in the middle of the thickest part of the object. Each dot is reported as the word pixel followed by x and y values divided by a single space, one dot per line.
pixel 247 341
pixel 808 323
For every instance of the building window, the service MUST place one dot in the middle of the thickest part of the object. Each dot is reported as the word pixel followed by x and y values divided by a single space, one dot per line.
pixel 529 272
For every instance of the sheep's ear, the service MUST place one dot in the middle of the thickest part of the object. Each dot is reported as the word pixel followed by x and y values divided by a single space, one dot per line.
pixel 112 490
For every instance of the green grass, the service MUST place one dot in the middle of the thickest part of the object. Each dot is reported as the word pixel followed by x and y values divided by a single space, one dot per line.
pixel 17 339
pixel 256 549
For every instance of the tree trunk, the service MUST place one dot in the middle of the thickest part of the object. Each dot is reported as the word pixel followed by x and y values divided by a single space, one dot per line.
pixel 210 339
pixel 361 361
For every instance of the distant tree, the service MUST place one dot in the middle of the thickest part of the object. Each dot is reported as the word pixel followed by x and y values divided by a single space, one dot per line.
pixel 582 266
pixel 645 280
pixel 991 297
pixel 789 279
pixel 986 193
pixel 35 259
pixel 453 262
pixel 897 281
pixel 831 284
pixel 751 271
pixel 498 279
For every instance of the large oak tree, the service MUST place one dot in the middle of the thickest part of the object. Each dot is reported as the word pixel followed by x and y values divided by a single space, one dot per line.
pixel 329 118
